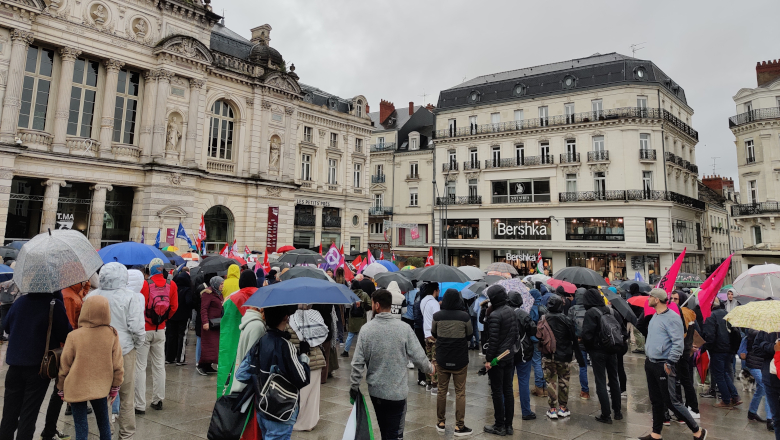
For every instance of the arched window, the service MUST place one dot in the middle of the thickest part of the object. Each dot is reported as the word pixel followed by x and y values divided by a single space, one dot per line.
pixel 359 112
pixel 221 131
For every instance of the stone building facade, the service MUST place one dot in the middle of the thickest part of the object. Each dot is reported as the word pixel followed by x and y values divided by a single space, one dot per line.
pixel 131 116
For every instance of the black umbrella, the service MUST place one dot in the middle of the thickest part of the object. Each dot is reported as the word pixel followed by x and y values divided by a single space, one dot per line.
pixel 411 274
pixel 443 273
pixel 305 272
pixel 621 306
pixel 582 276
pixel 643 286
pixel 478 287
pixel 301 256
pixel 8 252
pixel 384 279
pixel 493 279
pixel 216 264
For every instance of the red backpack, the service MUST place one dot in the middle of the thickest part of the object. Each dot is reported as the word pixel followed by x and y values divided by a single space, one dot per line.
pixel 158 306
pixel 547 342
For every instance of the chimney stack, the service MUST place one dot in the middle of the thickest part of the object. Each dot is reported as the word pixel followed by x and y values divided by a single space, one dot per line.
pixel 386 108
pixel 261 35
pixel 367 109
pixel 767 71
pixel 411 108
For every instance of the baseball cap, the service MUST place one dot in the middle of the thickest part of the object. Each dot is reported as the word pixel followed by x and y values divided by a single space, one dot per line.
pixel 659 294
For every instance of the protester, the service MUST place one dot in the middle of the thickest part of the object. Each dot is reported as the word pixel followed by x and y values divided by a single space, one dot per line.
pixel 274 349
pixel 8 294
pixel 556 365
pixel 577 314
pixel 381 352
pixel 177 324
pixel 271 277
pixel 357 316
pixel 231 280
pixel 422 378
pixel 546 294
pixel 91 367
pixel 399 300
pixel 537 311
pixel 451 328
pixel 27 325
pixel 252 328
pixel 210 311
pixel 474 314
pixel 603 356
pixel 766 345
pixel 161 300
pixel 127 318
pixel 428 306
pixel 731 303
pixel 325 313
pixel 306 325
pixel 524 353
pixel 198 286
pixel 329 272
pixel 638 337
pixel 717 334
pixel 664 346
pixel 502 333
pixel 229 331
pixel 684 366
pixel 754 361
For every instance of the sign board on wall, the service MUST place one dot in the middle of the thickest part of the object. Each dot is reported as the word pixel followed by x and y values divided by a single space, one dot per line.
pixel 521 229
pixel 64 220
pixel 312 202
pixel 273 228
pixel 170 238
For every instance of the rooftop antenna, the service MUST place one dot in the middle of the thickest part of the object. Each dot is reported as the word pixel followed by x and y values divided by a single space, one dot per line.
pixel 423 97
pixel 713 163
pixel 635 47
pixel 464 78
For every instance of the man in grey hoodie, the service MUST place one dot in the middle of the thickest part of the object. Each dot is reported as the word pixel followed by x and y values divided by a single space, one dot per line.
pixel 382 349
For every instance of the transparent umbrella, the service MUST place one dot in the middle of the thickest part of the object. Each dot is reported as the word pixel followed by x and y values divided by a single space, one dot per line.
pixel 54 260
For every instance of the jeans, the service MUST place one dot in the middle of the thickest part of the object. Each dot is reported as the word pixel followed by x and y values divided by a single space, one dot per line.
pixel 390 416
pixel 604 367
pixel 475 336
pixel 621 372
pixel 348 344
pixel 773 400
pixel 174 340
pixel 760 392
pixel 459 381
pixel 685 377
pixel 100 408
pixel 536 360
pixel 115 405
pixel 52 414
pixel 24 394
pixel 523 383
pixel 584 373
pixel 197 351
pixel 503 397
pixel 660 387
pixel 273 430
pixel 719 362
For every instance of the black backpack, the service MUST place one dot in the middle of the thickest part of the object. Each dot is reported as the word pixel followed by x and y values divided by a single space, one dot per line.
pixel 524 347
pixel 357 311
pixel 577 314
pixel 610 333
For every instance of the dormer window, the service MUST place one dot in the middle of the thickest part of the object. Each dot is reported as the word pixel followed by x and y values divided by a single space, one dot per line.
pixel 640 73
pixel 569 82
pixel 359 110
pixel 519 90
pixel 332 103
pixel 474 96
pixel 414 141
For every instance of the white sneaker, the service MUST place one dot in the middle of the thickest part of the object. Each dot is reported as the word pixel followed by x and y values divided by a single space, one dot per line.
pixel 410 365
pixel 552 414
pixel 113 418
pixel 694 414
pixel 563 412
pixel 434 391
pixel 624 395
pixel 482 354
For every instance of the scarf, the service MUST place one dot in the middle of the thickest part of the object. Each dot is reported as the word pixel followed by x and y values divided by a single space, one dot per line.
pixel 309 326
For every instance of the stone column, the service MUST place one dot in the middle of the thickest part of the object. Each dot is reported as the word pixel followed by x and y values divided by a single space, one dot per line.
pixel 20 39
pixel 160 122
pixel 147 115
pixel 109 103
pixel 136 220
pixel 96 212
pixel 265 114
pixel 193 119
pixel 289 148
pixel 317 225
pixel 254 132
pixel 50 199
pixel 68 56
pixel 6 181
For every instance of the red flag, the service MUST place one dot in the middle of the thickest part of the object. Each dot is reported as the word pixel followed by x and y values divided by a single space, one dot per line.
pixel 381 254
pixel 362 266
pixel 429 260
pixel 357 261
pixel 348 275
pixel 667 282
pixel 341 249
pixel 246 250
pixel 320 248
pixel 225 252
pixel 711 287
pixel 266 264
pixel 201 233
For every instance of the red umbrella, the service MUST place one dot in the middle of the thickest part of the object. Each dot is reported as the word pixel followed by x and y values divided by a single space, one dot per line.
pixel 639 301
pixel 644 302
pixel 240 260
pixel 284 249
pixel 567 286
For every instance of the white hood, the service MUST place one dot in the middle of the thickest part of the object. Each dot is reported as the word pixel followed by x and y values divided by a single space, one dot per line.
pixel 397 309
pixel 135 280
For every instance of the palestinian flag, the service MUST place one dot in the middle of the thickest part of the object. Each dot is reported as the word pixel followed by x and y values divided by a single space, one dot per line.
pixel 359 422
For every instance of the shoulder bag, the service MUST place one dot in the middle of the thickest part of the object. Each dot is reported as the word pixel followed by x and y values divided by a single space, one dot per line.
pixel 278 398
pixel 50 365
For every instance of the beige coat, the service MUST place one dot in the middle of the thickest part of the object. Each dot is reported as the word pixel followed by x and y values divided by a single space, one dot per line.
pixel 91 360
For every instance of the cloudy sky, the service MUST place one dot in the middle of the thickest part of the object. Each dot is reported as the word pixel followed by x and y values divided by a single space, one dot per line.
pixel 398 50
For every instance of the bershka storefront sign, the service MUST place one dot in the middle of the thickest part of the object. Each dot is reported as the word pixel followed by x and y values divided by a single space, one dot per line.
pixel 521 229
pixel 520 257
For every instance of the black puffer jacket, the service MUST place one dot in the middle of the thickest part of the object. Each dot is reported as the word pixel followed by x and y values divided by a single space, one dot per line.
pixel 563 329
pixel 765 347
pixel 591 325
pixel 184 288
pixel 753 360
pixel 501 327
pixel 452 329
pixel 716 332
pixel 526 328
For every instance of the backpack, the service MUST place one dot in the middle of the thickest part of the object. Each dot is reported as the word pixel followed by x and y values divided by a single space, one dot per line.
pixel 545 335
pixel 8 292
pixel 577 314
pixel 610 333
pixel 357 311
pixel 524 347
pixel 158 307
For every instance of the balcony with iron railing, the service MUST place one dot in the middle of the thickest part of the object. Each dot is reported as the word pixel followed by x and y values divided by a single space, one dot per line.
pixel 449 167
pixel 570 158
pixel 331 222
pixel 680 162
pixel 598 156
pixel 470 165
pixel 459 200
pixel 305 219
pixel 387 146
pixel 522 161
pixel 379 178
pixel 380 210
pixel 755 209
pixel 754 115
pixel 577 118
pixel 647 155
pixel 413 176
pixel 631 195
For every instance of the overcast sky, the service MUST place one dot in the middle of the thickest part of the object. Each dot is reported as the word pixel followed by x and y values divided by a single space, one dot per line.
pixel 397 50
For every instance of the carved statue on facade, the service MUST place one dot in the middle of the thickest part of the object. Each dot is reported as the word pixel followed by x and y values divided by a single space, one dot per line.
pixel 54 5
pixel 174 134
pixel 276 150
pixel 99 14
pixel 140 28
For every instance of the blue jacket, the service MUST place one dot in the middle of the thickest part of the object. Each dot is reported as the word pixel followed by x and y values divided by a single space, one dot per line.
pixel 27 323
pixel 410 296
pixel 274 349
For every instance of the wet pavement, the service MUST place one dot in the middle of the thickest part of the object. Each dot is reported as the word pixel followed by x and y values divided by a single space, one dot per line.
pixel 190 398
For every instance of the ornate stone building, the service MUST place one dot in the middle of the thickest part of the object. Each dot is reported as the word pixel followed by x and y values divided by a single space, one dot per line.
pixel 119 117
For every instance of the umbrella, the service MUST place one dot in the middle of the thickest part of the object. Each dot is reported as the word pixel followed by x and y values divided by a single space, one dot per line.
pixel 474 273
pixel 758 315
pixel 241 261
pixel 8 252
pixel 17 244
pixel 191 256
pixel 131 253
pixel 502 267
pixel 373 269
pixel 388 265
pixel 411 274
pixel 478 287
pixel 517 285
pixel 443 287
pixel 542 278
pixel 54 260
pixel 284 249
pixel 216 264
pixel 580 276
pixel 301 291
pixel 761 281
pixel 504 275
pixel 643 286
pixel 301 256
pixel 408 268
pixel 567 286
pixel 170 248
pixel 493 279
pixel 621 306
pixel 305 272
pixel 6 273
pixel 175 259
pixel 384 279
pixel 442 273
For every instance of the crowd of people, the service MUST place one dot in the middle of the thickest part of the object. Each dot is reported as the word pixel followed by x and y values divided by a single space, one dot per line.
pixel 125 323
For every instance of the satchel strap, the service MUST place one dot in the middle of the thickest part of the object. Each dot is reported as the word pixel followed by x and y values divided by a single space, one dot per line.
pixel 48 332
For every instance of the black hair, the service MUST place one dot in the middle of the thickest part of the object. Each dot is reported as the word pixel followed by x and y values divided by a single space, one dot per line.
pixel 275 315
pixel 383 297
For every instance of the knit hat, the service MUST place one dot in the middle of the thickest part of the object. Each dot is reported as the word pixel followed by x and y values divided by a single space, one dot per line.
pixel 155 262
pixel 247 279
pixel 659 294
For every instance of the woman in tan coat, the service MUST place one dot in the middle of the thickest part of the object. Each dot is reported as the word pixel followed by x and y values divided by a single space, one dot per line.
pixel 91 367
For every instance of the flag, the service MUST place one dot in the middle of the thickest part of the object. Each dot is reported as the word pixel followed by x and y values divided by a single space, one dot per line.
pixel 356 262
pixel 181 233
pixel 392 257
pixel 266 264
pixel 201 234
pixel 142 235
pixel 370 257
pixel 429 260
pixel 234 249
pixel 638 277
pixel 246 250
pixel 157 240
pixel 341 250
pixel 332 258
pixel 225 252
pixel 539 262
pixel 363 264
pixel 668 280
pixel 381 254
pixel 320 248
pixel 348 275
pixel 359 422
pixel 711 286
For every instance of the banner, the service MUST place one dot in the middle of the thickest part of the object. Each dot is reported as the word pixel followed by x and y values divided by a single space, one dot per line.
pixel 711 286
pixel 429 261
pixel 273 228
pixel 414 232
pixel 170 237
pixel 668 280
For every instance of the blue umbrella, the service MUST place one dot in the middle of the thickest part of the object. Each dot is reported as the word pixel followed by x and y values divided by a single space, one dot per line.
pixel 131 253
pixel 388 265
pixel 301 291
pixel 457 286
pixel 6 273
pixel 17 244
pixel 177 260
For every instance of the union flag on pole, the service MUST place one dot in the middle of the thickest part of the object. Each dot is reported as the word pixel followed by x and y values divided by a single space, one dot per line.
pixel 429 260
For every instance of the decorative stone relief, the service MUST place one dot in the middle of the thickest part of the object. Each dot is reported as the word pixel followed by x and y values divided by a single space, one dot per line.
pixel 266 105
pixel 250 102
pixel 472 176
pixel 452 177
pixel 289 110
pixel 570 169
pixel 186 47
pixel 97 15
pixel 599 168
pixel 175 179
pixel 276 151
pixel 173 132
pixel 273 191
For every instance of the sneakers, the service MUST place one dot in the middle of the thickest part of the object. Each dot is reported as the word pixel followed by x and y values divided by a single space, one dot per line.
pixel 563 412
pixel 770 426
pixel 140 411
pixel 509 430
pixel 462 432
pixel 703 435
pixel 345 354
pixel 428 387
pixel 200 371
pixel 113 418
pixel 410 365
pixel 638 351
pixel 708 395
pixel 157 406
pixel 422 383
pixel 179 364
pixel 604 419
pixel 584 395
pixel 694 414
pixel 440 428
pixel 624 395
pixel 552 414
pixel 618 415
pixel 647 437
pixel 753 416
pixel 57 436
pixel 495 430
pixel 434 391
pixel 531 416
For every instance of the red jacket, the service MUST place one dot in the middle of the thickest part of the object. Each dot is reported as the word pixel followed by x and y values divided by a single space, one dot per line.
pixel 240 297
pixel 159 280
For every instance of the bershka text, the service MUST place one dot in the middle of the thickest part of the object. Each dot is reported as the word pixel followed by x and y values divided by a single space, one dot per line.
pixel 522 230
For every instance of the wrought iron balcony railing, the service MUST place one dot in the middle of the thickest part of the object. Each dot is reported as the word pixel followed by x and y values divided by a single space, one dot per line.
pixel 413 176
pixel 570 158
pixel 471 165
pixel 380 210
pixel 645 154
pixel 598 156
pixel 754 115
pixel 755 208
pixel 680 162
pixel 331 222
pixel 459 200
pixel 387 146
pixel 305 219
pixel 632 194
pixel 520 161
pixel 450 166
pixel 378 178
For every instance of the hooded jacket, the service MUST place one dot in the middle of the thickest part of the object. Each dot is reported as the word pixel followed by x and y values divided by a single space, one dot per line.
pixel 764 346
pixel 526 328
pixel 591 324
pixel 716 332
pixel 546 294
pixel 633 290
pixel 501 327
pixel 563 329
pixel 127 307
pixel 91 361
pixel 398 307
pixel 252 329
pixel 229 333
pixel 184 290
pixel 260 274
pixel 452 329
pixel 231 280
pixel 73 299
pixel 356 323
pixel 26 324
pixel 135 281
